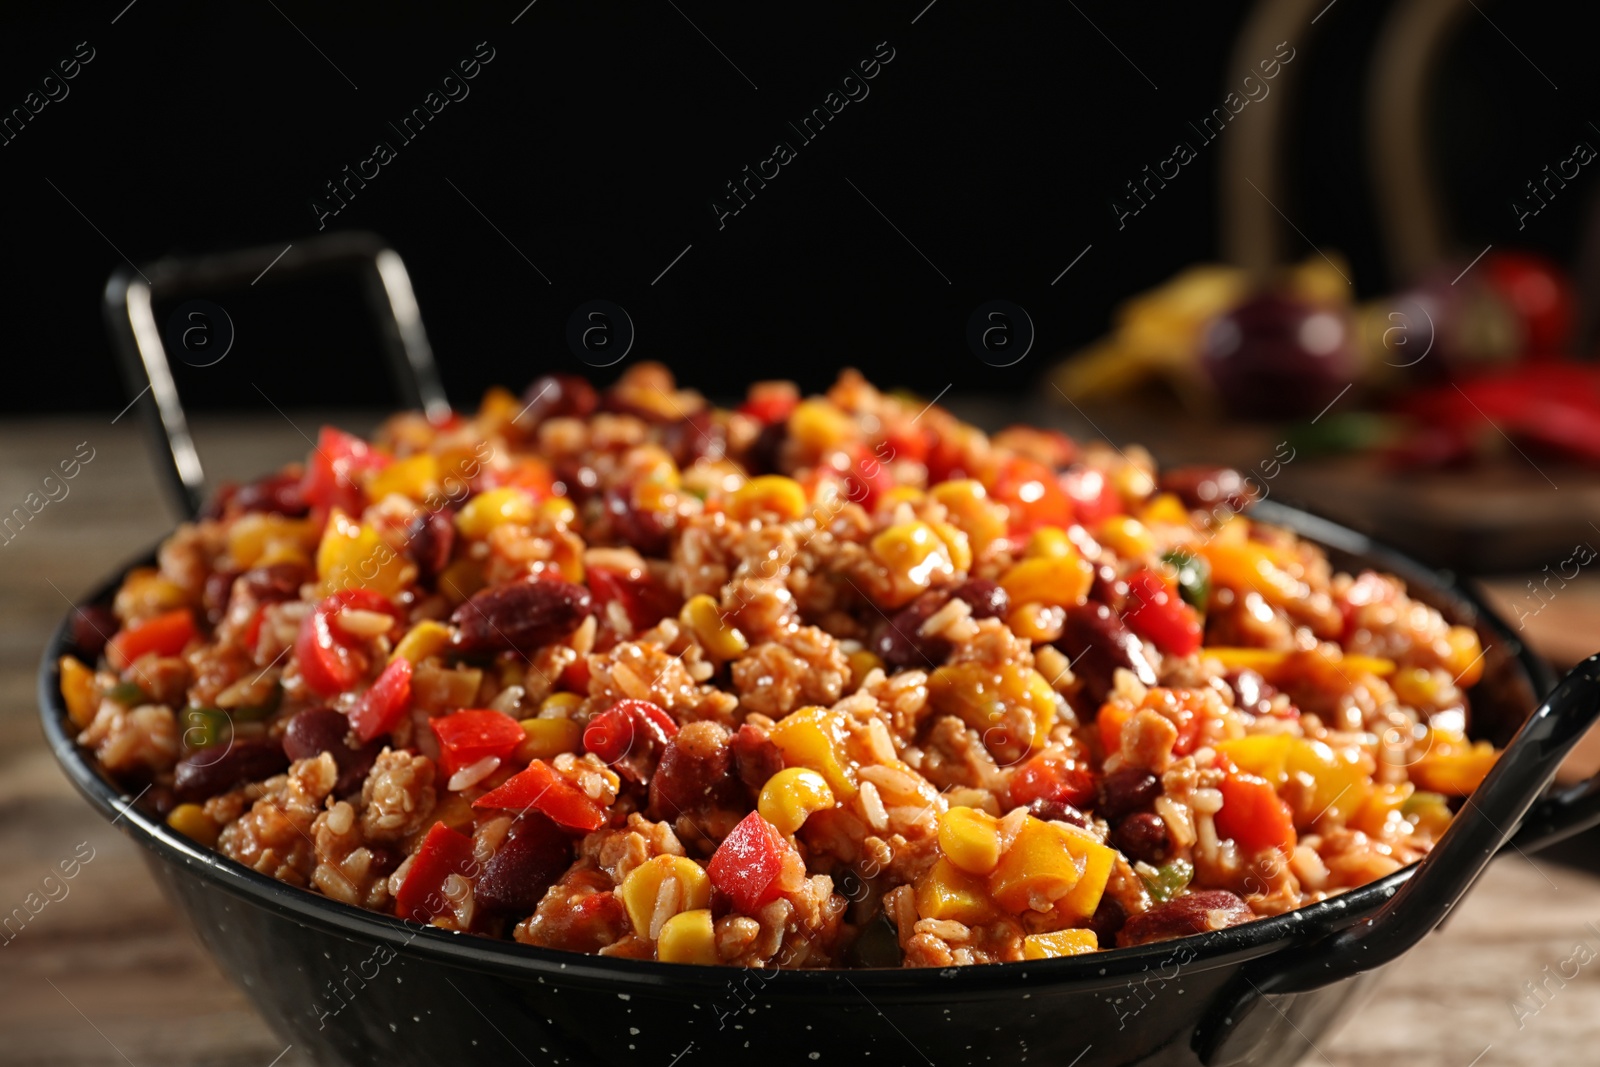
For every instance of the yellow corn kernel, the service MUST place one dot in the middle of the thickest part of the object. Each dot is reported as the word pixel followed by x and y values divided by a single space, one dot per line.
pixel 819 425
pixel 1342 778
pixel 1263 755
pixel 1167 509
pixel 455 811
pixel 1417 686
pixel 1132 482
pixel 461 579
pixel 969 507
pixel 415 477
pixel 980 695
pixel 1039 623
pixel 426 638
pixel 145 592
pixel 862 663
pixel 913 551
pixel 1382 808
pixel 704 618
pixel 253 536
pixel 947 892
pixel 1063 581
pixel 970 839
pixel 78 691
pixel 354 556
pixel 495 507
pixel 769 494
pixel 1050 542
pixel 791 795
pixel 660 888
pixel 901 494
pixel 1465 661
pixel 1455 771
pixel 810 737
pixel 1096 861
pixel 688 937
pixel 559 511
pixel 1061 943
pixel 559 703
pixel 1036 871
pixel 955 543
pixel 1126 536
pixel 192 822
pixel 547 738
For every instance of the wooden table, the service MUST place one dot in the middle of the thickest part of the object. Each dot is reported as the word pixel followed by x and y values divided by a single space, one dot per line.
pixel 110 975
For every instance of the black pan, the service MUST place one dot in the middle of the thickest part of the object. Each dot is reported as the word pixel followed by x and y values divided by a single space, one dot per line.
pixel 348 986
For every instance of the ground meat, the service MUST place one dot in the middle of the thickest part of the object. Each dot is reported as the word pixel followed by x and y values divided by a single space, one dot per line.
pixel 274 836
pixel 580 913
pixel 397 798
pixel 128 740
pixel 347 869
pixel 645 671
pixel 804 666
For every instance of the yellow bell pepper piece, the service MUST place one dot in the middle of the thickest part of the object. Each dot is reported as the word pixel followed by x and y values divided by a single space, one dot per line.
pixel 1097 861
pixel 1455 771
pixel 492 508
pixel 1036 872
pixel 78 691
pixel 947 892
pixel 1061 943
pixel 969 507
pixel 1060 580
pixel 426 638
pixel 812 737
pixel 970 839
pixel 1126 536
pixel 548 738
pixel 354 556
pixel 415 477
pixel 1165 509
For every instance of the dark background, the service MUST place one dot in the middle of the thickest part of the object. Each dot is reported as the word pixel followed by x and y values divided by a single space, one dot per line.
pixel 598 135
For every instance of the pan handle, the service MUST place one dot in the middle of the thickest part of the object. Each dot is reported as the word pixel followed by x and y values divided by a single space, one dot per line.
pixel 1241 1027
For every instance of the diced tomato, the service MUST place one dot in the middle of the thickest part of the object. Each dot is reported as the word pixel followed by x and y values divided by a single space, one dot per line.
pixel 909 442
pixel 770 407
pixel 745 866
pixel 333 469
pixel 946 462
pixel 1092 494
pixel 1054 779
pixel 540 787
pixel 1030 490
pixel 1109 722
pixel 615 732
pixel 165 635
pixel 868 477
pixel 443 853
pixel 1156 611
pixel 331 661
pixel 528 473
pixel 645 600
pixel 380 707
pixel 1254 816
pixel 474 734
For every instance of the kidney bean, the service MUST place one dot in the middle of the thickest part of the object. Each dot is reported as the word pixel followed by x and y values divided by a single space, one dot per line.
pixel 1106 921
pixel 1203 488
pixel 1125 791
pixel 430 538
pixel 766 453
pixel 556 396
pixel 1097 643
pixel 275 583
pixel 519 615
pixel 1191 913
pixel 533 855
pixel 205 773
pixel 697 435
pixel 92 627
pixel 696 771
pixel 277 493
pixel 214 595
pixel 1108 589
pixel 987 599
pixel 1051 809
pixel 897 641
pixel 576 481
pixel 639 527
pixel 1141 836
pixel 1251 692
pixel 755 757
pixel 317 730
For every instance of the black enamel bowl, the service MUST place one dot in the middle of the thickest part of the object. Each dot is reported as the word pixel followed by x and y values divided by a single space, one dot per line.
pixel 348 986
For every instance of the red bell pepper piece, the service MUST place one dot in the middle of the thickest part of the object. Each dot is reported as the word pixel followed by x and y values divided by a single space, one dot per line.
pixel 332 468
pixel 745 866
pixel 1052 778
pixel 645 600
pixel 770 408
pixel 869 476
pixel 443 853
pixel 331 661
pixel 1032 493
pixel 540 787
pixel 473 734
pixel 1156 611
pixel 1254 816
pixel 615 732
pixel 1092 494
pixel 165 635
pixel 380 707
